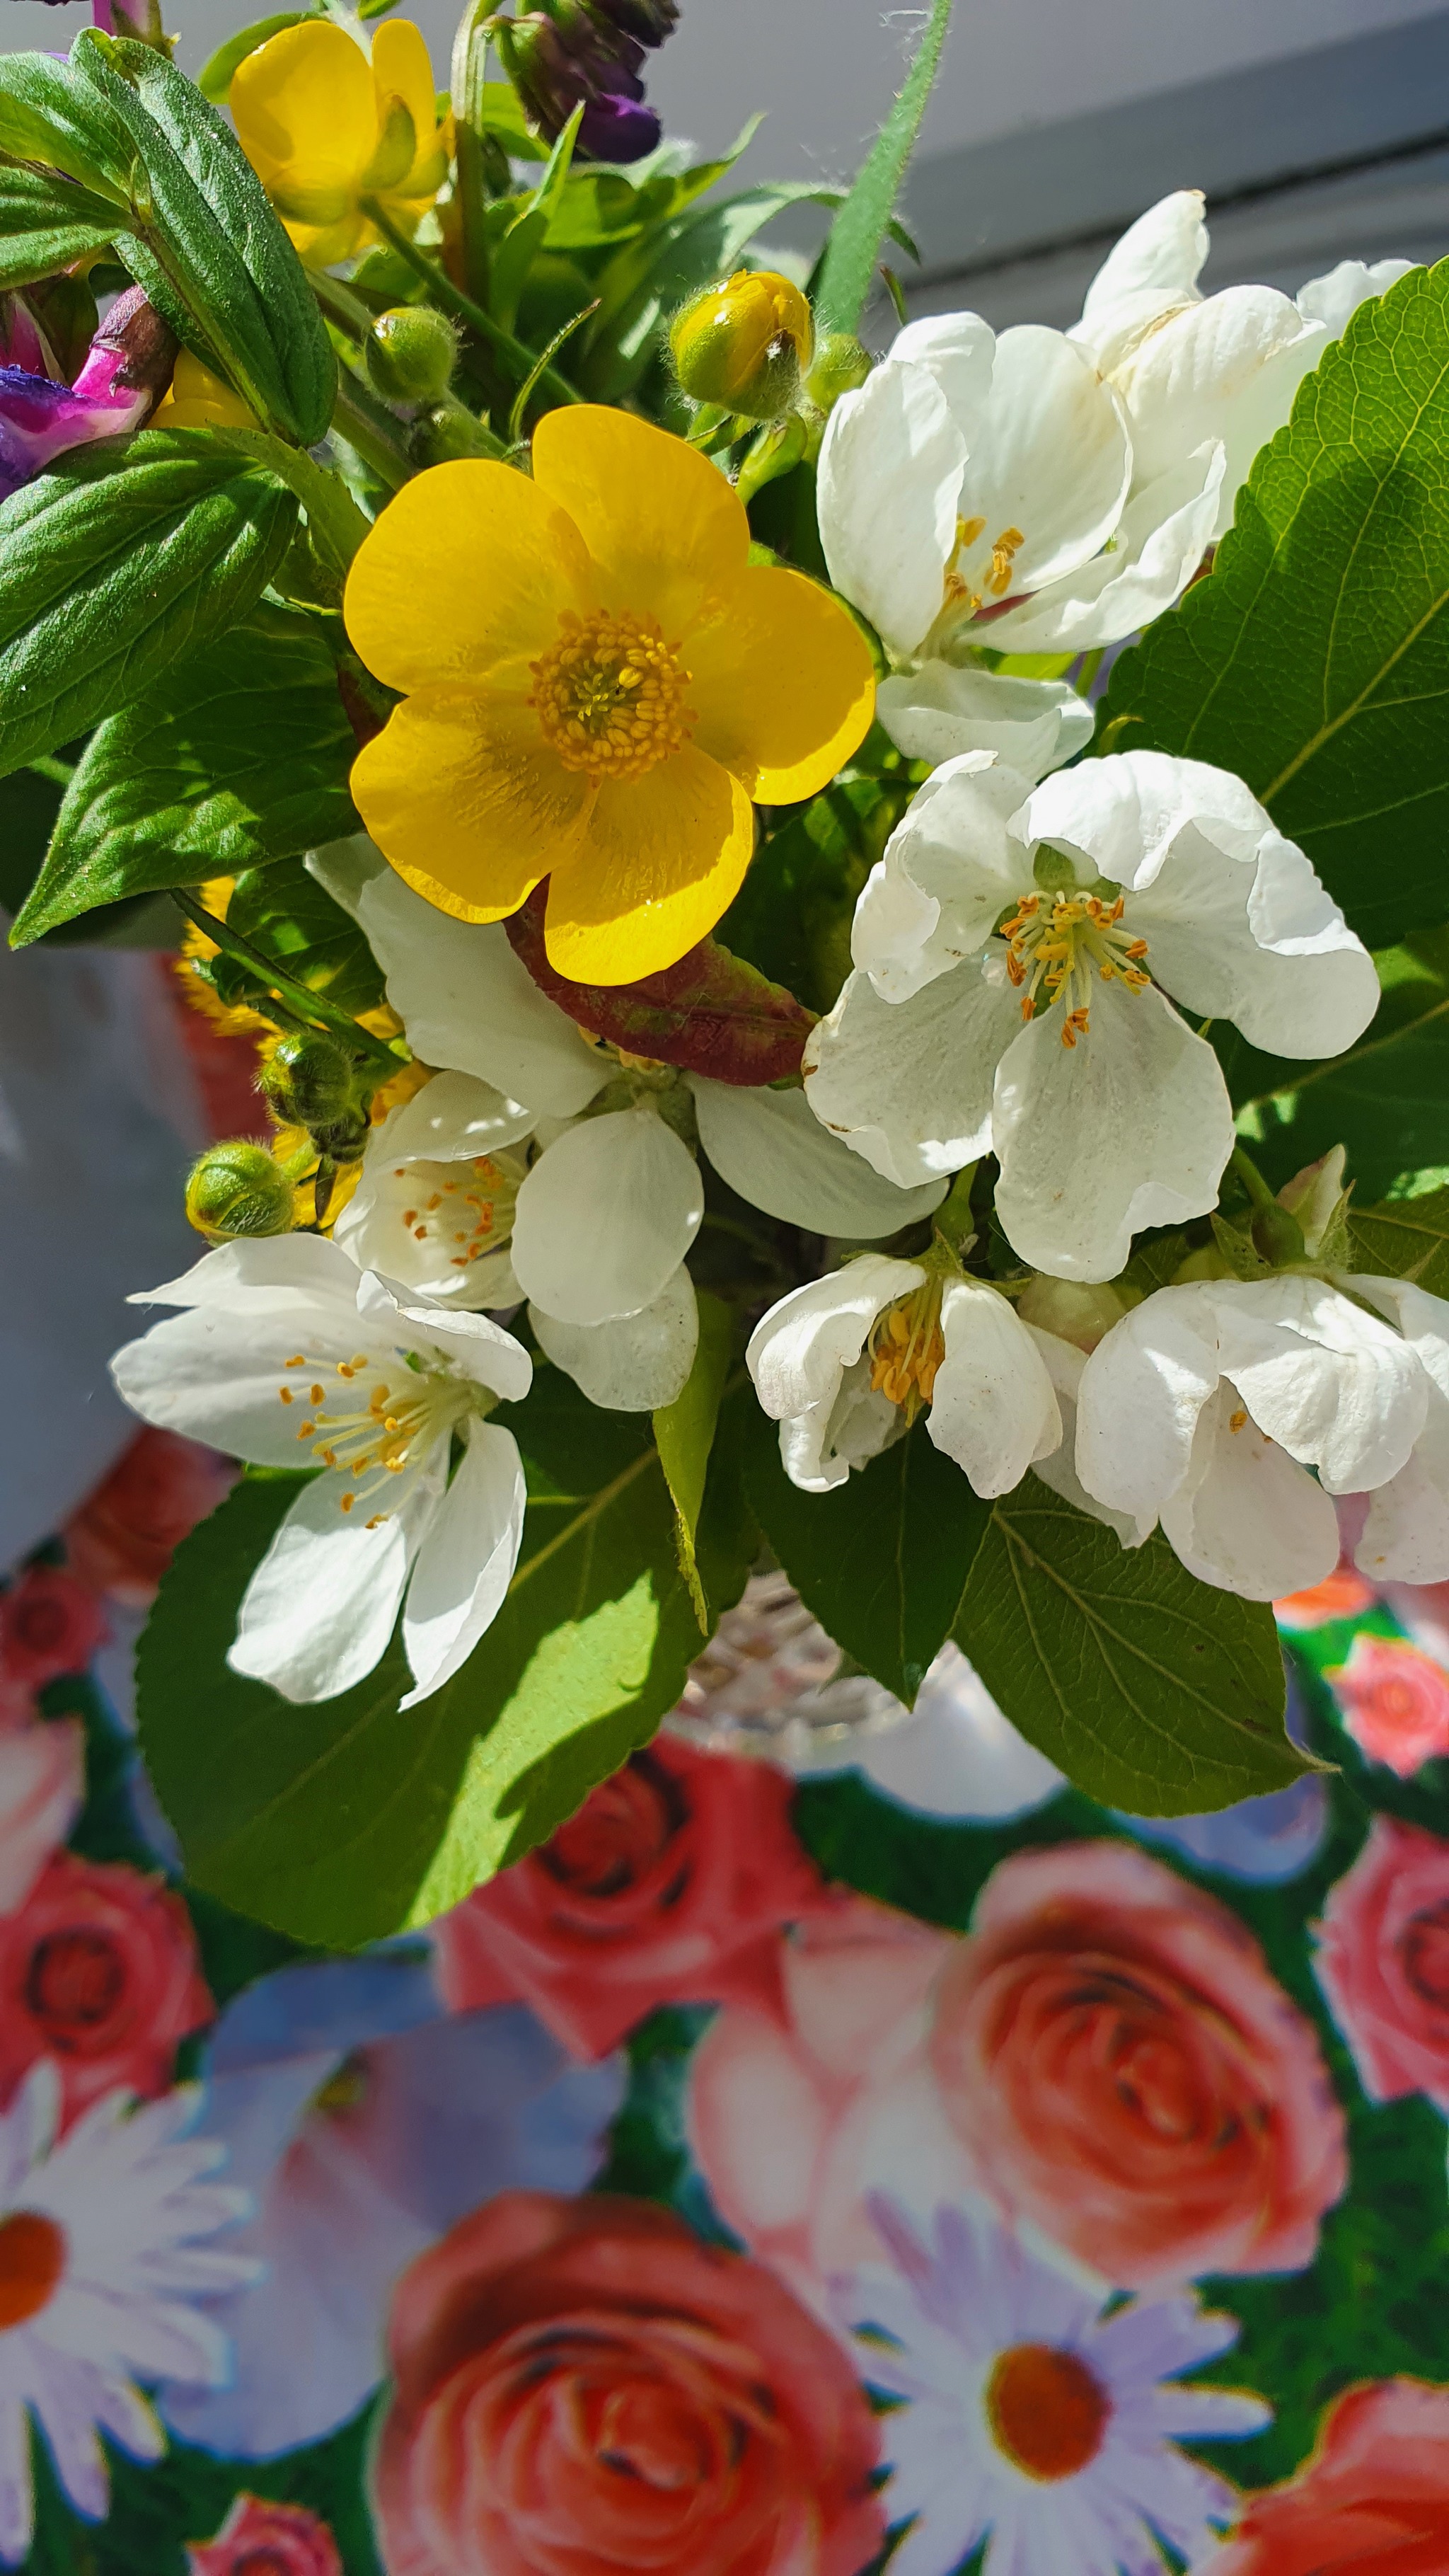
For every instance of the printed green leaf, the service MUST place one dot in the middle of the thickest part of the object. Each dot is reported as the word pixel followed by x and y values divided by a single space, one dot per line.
pixel 884 1560
pixel 119 560
pixel 1151 1691
pixel 1314 659
pixel 345 1821
pixel 1409 1239
pixel 239 755
pixel 684 1436
pixel 47 223
pixel 848 271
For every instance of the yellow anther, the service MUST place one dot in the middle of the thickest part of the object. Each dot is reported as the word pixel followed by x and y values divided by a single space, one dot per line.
pixel 907 1347
pixel 284 1394
pixel 317 1394
pixel 1004 552
pixel 609 695
pixel 347 1502
pixel 299 1362
pixel 308 1431
pixel 1237 1420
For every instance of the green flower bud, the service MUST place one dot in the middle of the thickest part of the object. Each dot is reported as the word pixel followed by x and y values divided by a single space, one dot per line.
pixel 744 345
pixel 448 431
pixel 1277 1236
pixel 238 1189
pixel 411 353
pixel 308 1081
pixel 841 364
pixel 344 1139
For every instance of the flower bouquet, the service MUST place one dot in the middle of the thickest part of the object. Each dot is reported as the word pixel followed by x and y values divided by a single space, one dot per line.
pixel 776 1044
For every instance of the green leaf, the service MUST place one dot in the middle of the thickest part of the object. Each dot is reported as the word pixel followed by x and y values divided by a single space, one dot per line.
pixel 48 116
pixel 345 1821
pixel 285 913
pixel 792 916
pixel 684 1436
pixel 500 112
pixel 215 78
pixel 1314 659
pixel 119 560
pixel 649 278
pixel 884 1560
pixel 527 233
pixel 848 271
pixel 47 223
pixel 206 244
pixel 1152 1691
pixel 238 755
pixel 1386 1099
pixel 1408 1239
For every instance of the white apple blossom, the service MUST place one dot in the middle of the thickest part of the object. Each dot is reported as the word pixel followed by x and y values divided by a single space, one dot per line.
pixel 1208 1404
pixel 289 1356
pixel 1077 908
pixel 585 1201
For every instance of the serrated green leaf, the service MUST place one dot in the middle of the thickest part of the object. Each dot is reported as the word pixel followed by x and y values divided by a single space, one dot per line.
pixel 848 270
pixel 684 1436
pixel 1408 1239
pixel 345 1821
pixel 884 1560
pixel 47 223
pixel 1386 1099
pixel 1151 1691
pixel 123 557
pixel 217 73
pixel 283 911
pixel 1314 659
pixel 238 755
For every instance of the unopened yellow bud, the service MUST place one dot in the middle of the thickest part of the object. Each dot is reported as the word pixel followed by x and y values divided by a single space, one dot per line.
pixel 841 365
pixel 238 1189
pixel 744 345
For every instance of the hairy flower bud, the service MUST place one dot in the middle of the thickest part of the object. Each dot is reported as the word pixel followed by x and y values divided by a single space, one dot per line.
pixel 411 352
pixel 308 1080
pixel 841 364
pixel 238 1189
pixel 566 58
pixel 744 345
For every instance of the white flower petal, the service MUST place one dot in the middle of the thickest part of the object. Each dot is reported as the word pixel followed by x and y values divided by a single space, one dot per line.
pixel 452 1117
pixel 469 1004
pixel 798 1351
pixel 343 868
pixel 418 1225
pixel 634 1363
pixel 1131 1127
pixel 1048 457
pixel 321 1607
pixel 938 712
pixel 1225 369
pixel 949 868
pixel 1338 1389
pixel 474 1345
pixel 909 1085
pixel 773 1150
pixel 1153 267
pixel 1123 815
pixel 1405 1536
pixel 1139 1398
pixel 1332 298
pixel 959 350
pixel 1246 1518
pixel 1264 947
pixel 466 1560
pixel 1160 541
pixel 1064 1364
pixel 992 1407
pixel 216 1376
pixel 819 1448
pixel 606 1216
pixel 888 486
pixel 283 1267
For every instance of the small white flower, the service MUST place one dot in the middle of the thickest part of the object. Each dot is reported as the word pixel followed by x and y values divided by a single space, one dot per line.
pixel 939 711
pixel 1034 2419
pixel 289 1356
pixel 1077 907
pixel 846 1363
pixel 98 2267
pixel 1208 1404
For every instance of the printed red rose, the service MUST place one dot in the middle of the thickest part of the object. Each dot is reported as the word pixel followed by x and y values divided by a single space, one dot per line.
pixel 99 1972
pixel 49 1624
pixel 1114 2053
pixel 1383 1962
pixel 122 1539
pixel 668 1886
pixel 1373 2499
pixel 1394 1702
pixel 582 2388
pixel 261 2539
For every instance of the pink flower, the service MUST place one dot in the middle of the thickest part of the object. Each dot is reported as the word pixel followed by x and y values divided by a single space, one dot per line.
pixel 99 1972
pixel 1373 2499
pixel 1394 1702
pixel 668 1886
pixel 1383 1962
pixel 1115 2056
pixel 260 2539
pixel 49 1624
pixel 122 1539
pixel 42 1783
pixel 802 2103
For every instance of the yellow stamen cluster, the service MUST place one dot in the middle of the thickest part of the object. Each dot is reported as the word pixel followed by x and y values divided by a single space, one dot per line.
pixel 364 1442
pixel 610 695
pixel 1054 943
pixel 1004 550
pixel 473 1209
pixel 907 1347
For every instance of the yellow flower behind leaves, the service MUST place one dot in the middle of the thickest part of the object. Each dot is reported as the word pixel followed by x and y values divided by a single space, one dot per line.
pixel 597 682
pixel 199 400
pixel 323 128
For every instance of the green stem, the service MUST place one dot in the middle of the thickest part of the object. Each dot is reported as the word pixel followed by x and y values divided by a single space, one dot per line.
pixel 313 1006
pixel 470 65
pixel 340 304
pixel 380 448
pixel 462 307
pixel 1252 1180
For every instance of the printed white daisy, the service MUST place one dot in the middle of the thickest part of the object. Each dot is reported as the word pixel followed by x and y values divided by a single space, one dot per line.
pixel 99 2262
pixel 540 1166
pixel 289 1356
pixel 1034 2419
pixel 1077 907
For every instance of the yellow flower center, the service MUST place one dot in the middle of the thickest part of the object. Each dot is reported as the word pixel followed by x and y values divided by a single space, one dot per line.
pixel 467 1208
pixel 1056 943
pixel 368 1430
pixel 32 2260
pixel 907 1347
pixel 610 694
pixel 1047 2410
pixel 1006 545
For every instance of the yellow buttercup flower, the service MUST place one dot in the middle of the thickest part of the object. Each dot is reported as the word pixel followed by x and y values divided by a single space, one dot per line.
pixel 323 128
pixel 597 682
pixel 199 400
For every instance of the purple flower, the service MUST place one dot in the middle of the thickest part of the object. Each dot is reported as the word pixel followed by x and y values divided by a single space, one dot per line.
pixel 130 360
pixel 647 21
pixel 564 57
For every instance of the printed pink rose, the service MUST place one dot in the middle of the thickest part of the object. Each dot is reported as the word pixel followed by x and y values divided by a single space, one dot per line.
pixel 1373 2499
pixel 584 2388
pixel 42 1784
pixel 803 2103
pixel 1383 1962
pixel 1115 2056
pixel 1394 1702
pixel 261 2539
pixel 99 1972
pixel 122 1539
pixel 668 1886
pixel 49 1624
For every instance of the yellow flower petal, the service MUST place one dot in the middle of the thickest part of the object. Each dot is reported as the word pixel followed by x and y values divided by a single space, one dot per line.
pixel 465 798
pixel 305 108
pixel 783 684
pixel 402 68
pixel 660 859
pixel 464 579
pixel 667 533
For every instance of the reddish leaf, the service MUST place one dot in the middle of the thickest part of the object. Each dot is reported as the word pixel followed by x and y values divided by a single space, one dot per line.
pixel 711 1012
